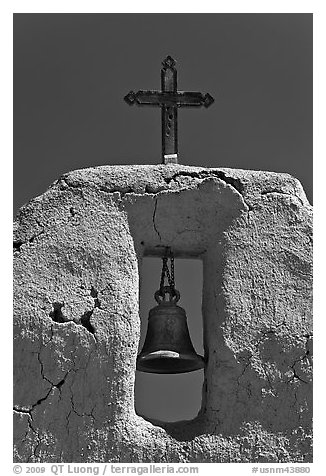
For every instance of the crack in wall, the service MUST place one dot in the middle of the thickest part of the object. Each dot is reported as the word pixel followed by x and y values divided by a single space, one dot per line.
pixel 31 428
pixel 90 415
pixel 42 371
pixel 17 244
pixel 38 439
pixel 29 410
pixel 72 406
pixel 273 190
pixel 154 224
pixel 57 385
pixel 122 190
pixel 17 409
pixel 245 367
pixel 235 183
pixel 306 355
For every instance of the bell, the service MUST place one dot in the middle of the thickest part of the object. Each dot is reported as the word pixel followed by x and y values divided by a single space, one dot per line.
pixel 168 348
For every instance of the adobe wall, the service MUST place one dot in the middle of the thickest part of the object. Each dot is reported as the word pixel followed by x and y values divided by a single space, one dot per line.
pixel 77 250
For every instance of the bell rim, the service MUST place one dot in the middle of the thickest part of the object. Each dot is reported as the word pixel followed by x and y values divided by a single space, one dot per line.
pixel 197 360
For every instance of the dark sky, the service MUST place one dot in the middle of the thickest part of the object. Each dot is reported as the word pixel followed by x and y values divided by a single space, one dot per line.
pixel 71 72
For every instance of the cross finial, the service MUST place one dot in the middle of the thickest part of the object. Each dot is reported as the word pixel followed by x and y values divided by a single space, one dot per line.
pixel 169 99
pixel 169 62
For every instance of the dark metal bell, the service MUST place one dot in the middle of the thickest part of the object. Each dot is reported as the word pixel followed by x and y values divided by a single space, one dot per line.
pixel 168 348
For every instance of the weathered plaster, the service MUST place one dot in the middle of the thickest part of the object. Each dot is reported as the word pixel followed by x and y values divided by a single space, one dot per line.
pixel 77 249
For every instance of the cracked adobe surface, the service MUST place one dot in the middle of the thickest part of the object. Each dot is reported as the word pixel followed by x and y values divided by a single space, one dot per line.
pixel 77 250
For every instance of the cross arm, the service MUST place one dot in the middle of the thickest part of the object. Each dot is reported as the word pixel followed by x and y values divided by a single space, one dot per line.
pixel 168 98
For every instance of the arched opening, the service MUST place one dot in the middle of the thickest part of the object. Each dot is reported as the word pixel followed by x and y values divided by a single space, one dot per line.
pixel 171 397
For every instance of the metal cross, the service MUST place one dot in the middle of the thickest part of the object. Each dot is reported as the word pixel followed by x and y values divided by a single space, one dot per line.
pixel 169 99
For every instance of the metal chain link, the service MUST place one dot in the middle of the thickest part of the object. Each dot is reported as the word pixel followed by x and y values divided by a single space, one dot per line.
pixel 172 271
pixel 164 267
pixel 166 272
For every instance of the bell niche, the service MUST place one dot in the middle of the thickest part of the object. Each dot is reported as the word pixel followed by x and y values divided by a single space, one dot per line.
pixel 168 348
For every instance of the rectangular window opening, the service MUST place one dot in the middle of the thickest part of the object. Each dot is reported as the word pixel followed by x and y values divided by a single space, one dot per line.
pixel 171 397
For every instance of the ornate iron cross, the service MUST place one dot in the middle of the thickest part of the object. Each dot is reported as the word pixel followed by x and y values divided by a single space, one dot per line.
pixel 169 99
